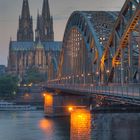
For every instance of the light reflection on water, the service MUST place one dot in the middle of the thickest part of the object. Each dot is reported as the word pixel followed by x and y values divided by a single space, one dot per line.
pixel 84 126
pixel 47 126
pixel 32 126
pixel 80 125
pixel 116 126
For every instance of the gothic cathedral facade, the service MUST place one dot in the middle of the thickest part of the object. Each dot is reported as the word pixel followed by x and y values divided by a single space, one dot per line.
pixel 26 52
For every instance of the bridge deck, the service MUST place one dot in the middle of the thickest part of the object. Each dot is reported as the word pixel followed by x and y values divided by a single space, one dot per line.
pixel 129 94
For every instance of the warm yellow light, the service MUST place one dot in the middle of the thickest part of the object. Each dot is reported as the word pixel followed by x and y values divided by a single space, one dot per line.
pixel 107 71
pixel 97 73
pixel 80 124
pixel 27 95
pixel 70 108
pixel 30 84
pixel 44 94
pixel 48 100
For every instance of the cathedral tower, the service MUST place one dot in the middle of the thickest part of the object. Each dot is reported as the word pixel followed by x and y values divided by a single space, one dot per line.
pixel 44 30
pixel 25 31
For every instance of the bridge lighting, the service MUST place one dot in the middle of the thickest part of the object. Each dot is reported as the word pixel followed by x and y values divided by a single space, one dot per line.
pixel 107 71
pixel 77 76
pixel 82 75
pixel 101 38
pixel 89 74
pixel 69 77
pixel 97 73
pixel 70 108
pixel 30 84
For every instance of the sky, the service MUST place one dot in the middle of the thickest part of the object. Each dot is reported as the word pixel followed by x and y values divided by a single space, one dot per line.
pixel 60 10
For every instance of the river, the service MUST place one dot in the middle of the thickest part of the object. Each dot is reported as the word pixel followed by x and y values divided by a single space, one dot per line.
pixel 80 126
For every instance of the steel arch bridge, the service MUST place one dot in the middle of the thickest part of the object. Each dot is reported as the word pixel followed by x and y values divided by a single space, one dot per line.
pixel 85 36
pixel 101 48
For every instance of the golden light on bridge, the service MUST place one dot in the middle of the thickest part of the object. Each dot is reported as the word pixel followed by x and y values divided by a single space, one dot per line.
pixel 70 108
pixel 44 94
pixel 48 103
pixel 48 99
pixel 80 124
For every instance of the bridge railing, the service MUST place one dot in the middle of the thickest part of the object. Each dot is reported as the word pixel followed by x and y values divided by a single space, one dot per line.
pixel 125 91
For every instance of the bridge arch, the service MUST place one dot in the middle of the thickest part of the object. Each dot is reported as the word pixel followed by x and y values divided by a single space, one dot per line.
pixel 120 62
pixel 84 39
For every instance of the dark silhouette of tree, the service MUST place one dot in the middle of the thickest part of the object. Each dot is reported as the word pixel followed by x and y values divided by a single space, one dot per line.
pixel 8 86
pixel 33 75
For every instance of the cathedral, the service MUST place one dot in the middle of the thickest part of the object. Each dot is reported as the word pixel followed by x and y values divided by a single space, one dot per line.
pixel 41 52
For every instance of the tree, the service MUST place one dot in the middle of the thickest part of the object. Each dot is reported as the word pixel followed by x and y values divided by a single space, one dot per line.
pixel 8 86
pixel 33 75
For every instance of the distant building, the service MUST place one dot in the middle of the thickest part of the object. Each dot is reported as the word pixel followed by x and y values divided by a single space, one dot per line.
pixel 2 69
pixel 26 53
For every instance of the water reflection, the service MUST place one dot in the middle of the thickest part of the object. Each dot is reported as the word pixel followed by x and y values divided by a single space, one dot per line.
pixel 80 125
pixel 55 128
pixel 116 126
pixel 46 126
pixel 108 126
pixel 83 125
pixel 32 126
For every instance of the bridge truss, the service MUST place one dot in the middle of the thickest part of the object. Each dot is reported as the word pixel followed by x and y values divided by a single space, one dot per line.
pixel 101 47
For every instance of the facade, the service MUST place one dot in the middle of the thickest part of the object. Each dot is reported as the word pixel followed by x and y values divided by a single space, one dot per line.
pixel 26 53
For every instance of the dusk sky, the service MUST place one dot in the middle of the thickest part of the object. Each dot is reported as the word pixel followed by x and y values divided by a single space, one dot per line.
pixel 60 10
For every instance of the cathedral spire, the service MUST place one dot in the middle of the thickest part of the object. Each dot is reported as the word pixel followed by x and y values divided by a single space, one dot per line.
pixel 25 31
pixel 25 10
pixel 44 29
pixel 46 10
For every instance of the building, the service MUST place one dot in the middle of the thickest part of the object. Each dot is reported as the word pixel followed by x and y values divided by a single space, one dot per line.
pixel 26 52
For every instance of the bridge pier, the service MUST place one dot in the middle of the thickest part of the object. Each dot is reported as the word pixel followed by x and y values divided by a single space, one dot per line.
pixel 57 104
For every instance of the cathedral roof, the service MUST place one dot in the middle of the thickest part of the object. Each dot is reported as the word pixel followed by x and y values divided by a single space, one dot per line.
pixel 21 46
pixel 26 46
pixel 52 46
